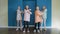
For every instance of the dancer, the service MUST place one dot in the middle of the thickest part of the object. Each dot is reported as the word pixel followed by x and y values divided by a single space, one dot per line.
pixel 19 18
pixel 44 16
pixel 27 13
pixel 38 19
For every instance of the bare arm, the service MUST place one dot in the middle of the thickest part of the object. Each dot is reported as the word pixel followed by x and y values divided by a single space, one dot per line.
pixel 22 12
pixel 40 13
pixel 29 11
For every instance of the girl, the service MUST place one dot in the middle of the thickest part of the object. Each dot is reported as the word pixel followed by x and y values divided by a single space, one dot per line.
pixel 26 18
pixel 19 18
pixel 38 19
pixel 44 16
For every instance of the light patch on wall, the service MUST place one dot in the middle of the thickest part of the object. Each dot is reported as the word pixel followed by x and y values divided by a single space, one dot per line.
pixel 3 13
pixel 56 14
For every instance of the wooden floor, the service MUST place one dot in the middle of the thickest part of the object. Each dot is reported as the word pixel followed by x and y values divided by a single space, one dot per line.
pixel 13 31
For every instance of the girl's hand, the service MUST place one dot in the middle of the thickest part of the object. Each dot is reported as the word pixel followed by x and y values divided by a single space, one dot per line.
pixel 30 12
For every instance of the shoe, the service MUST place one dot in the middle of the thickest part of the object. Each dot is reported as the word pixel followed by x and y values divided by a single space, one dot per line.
pixel 17 29
pixel 24 30
pixel 34 30
pixel 38 31
pixel 45 29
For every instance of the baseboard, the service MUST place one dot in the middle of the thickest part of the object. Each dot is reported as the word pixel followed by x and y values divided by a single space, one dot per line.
pixel 19 27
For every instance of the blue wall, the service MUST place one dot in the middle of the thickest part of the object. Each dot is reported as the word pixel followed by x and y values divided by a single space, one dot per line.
pixel 13 4
pixel 12 7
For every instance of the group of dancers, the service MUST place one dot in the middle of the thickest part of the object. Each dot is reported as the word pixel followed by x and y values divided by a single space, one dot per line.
pixel 40 17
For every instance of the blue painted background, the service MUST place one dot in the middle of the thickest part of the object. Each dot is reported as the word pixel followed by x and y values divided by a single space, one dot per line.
pixel 13 4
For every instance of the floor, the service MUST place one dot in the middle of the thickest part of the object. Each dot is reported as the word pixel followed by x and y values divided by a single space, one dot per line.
pixel 13 31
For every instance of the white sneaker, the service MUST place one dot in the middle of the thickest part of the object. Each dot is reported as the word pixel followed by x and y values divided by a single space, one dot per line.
pixel 17 29
pixel 38 31
pixel 24 31
pixel 34 30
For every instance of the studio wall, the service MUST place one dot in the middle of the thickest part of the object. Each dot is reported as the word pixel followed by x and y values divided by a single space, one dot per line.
pixel 13 4
pixel 55 23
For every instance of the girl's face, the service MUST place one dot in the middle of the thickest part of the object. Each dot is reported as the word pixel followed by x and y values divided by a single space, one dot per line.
pixel 27 7
pixel 19 7
pixel 44 7
pixel 37 8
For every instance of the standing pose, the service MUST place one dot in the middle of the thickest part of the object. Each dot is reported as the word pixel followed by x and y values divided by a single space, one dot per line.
pixel 26 18
pixel 38 19
pixel 19 18
pixel 44 16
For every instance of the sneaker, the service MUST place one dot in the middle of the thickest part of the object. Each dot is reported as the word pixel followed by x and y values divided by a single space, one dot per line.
pixel 45 29
pixel 38 31
pixel 17 29
pixel 34 30
pixel 24 30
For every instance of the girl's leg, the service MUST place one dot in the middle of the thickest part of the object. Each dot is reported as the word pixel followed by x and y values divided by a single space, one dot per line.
pixel 24 26
pixel 39 24
pixel 17 24
pixel 20 24
pixel 27 26
pixel 45 24
pixel 35 27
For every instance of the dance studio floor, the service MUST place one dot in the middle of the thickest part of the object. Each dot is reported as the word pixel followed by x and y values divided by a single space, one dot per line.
pixel 13 31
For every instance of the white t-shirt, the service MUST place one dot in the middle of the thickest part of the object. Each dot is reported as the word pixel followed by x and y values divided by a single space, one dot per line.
pixel 27 14
pixel 19 16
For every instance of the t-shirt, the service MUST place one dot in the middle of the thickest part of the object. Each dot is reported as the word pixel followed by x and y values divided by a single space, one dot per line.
pixel 45 13
pixel 27 14
pixel 19 16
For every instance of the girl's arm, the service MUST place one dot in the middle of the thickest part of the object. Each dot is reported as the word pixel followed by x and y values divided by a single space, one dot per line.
pixel 22 12
pixel 39 13
pixel 29 11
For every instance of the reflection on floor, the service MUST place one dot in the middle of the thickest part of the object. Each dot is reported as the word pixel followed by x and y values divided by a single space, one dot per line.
pixel 13 31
